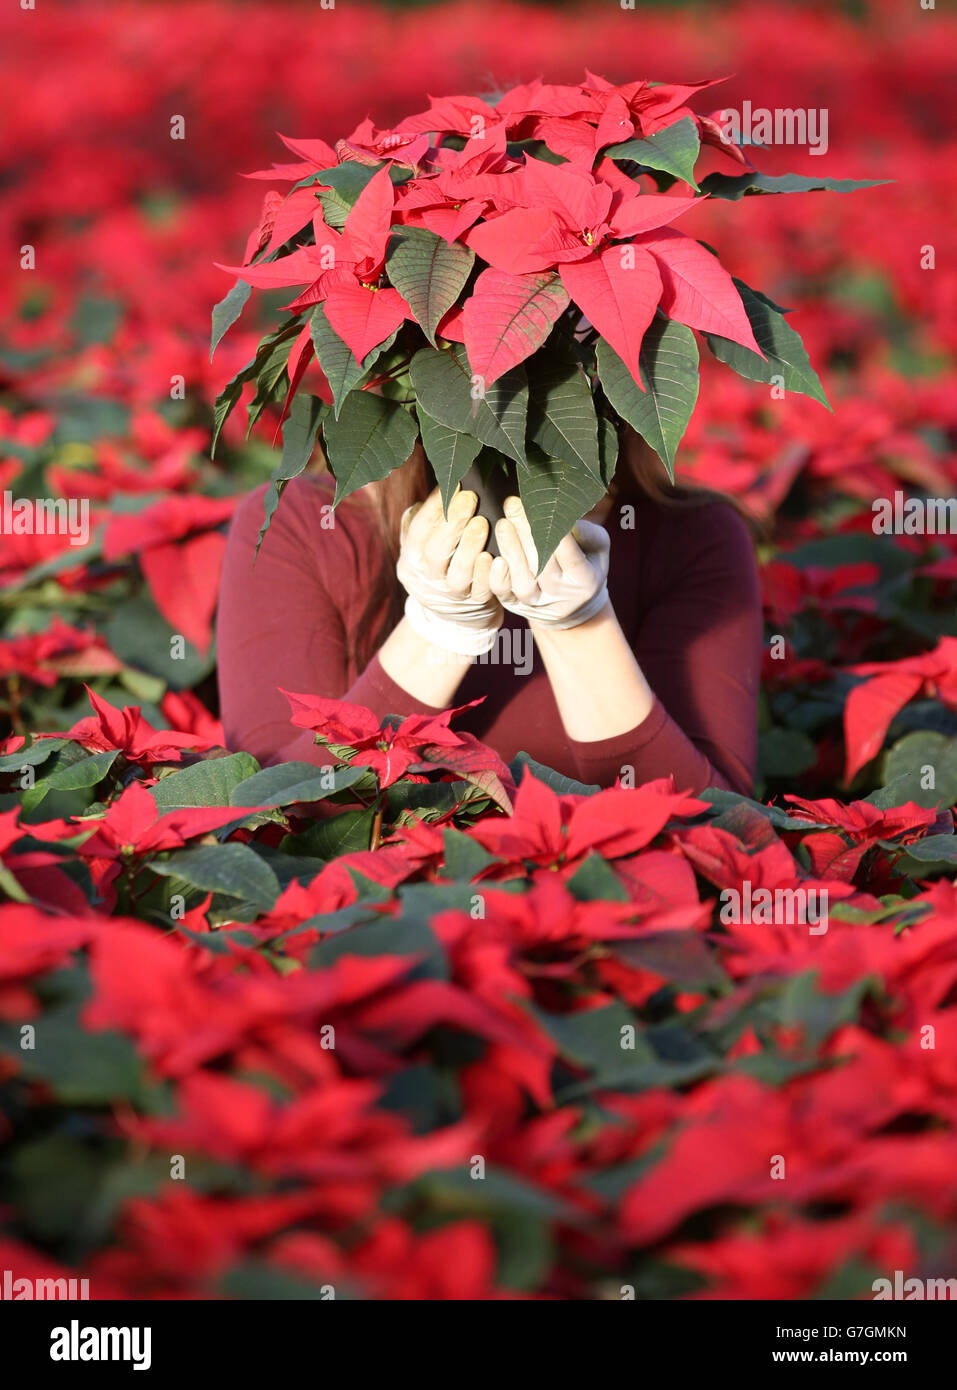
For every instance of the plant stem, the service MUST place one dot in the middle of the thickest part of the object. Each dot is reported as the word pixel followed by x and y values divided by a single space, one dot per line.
pixel 375 838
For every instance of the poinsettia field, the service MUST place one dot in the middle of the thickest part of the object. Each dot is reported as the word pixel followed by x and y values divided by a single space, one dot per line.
pixel 420 1024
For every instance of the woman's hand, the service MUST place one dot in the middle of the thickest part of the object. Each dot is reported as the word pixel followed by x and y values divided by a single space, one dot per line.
pixel 444 568
pixel 573 585
pixel 598 685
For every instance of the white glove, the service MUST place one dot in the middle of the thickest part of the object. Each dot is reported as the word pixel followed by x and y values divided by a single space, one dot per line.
pixel 573 585
pixel 444 569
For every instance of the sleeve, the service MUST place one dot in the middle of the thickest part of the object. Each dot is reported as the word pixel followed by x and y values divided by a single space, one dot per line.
pixel 699 646
pixel 279 628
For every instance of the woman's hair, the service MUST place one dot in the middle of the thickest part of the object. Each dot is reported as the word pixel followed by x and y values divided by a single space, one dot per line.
pixel 639 477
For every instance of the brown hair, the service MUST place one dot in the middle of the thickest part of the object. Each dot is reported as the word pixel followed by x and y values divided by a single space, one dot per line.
pixel 640 476
pixel 385 598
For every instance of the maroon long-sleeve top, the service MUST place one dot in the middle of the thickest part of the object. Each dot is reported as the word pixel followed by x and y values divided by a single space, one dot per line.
pixel 683 584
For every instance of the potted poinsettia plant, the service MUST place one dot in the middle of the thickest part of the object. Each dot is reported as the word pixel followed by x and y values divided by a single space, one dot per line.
pixel 504 281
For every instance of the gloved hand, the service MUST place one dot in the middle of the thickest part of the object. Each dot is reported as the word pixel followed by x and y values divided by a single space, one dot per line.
pixel 445 571
pixel 573 585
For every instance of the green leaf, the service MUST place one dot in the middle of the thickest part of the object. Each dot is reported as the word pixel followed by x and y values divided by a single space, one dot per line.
pixel 535 149
pixel 69 559
pixel 291 783
pixel 10 886
pixel 725 801
pixel 674 150
pixel 95 320
pixel 854 1280
pixel 783 349
pixel 785 752
pixel 80 1066
pixel 267 379
pixel 257 1282
pixel 681 957
pixel 426 1097
pixel 802 1001
pixel 299 434
pixel 565 786
pixel 596 879
pixel 464 857
pixel 607 450
pixel 288 867
pixel 933 854
pixel 233 869
pixel 428 801
pixel 421 901
pixel 747 824
pixel 455 1189
pixel 555 495
pixel 735 186
pixel 231 392
pixel 620 1053
pixel 209 783
pixel 561 413
pixel 904 789
pixel 525 1246
pixel 226 312
pixel 68 1188
pixel 759 294
pixel 220 942
pixel 306 414
pixel 939 850
pixel 371 437
pixel 642 1073
pixel 774 1068
pixel 52 1182
pixel 345 182
pixel 429 273
pixel 140 636
pixel 388 937
pixel 442 382
pixel 32 754
pixel 450 452
pixel 611 1184
pixel 86 418
pixel 339 364
pixel 344 833
pixel 913 753
pixel 73 771
pixel 668 363
pixel 924 714
pixel 592 1038
pixel 85 772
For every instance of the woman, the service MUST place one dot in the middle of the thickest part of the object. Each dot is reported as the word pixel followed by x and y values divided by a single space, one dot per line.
pixel 646 629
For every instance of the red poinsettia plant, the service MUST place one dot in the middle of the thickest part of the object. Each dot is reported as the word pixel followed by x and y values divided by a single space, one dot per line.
pixel 501 279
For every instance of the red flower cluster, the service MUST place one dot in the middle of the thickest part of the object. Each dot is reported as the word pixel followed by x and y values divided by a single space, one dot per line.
pixel 534 231
pixel 536 217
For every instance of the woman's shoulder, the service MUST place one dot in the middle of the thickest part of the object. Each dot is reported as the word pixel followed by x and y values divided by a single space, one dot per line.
pixel 695 523
pixel 305 516
pixel 685 543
